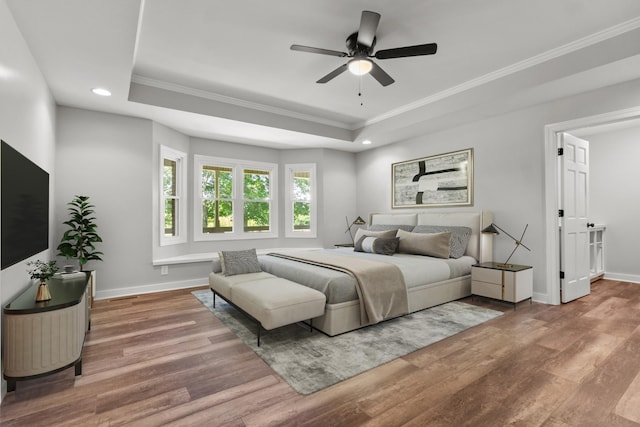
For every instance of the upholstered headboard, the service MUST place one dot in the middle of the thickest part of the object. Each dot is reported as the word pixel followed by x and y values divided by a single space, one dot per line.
pixel 480 245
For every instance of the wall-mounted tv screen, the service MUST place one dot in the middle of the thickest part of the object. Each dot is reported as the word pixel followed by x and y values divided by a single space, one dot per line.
pixel 25 207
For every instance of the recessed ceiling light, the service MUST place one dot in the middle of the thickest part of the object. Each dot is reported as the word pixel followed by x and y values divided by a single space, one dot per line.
pixel 366 142
pixel 101 91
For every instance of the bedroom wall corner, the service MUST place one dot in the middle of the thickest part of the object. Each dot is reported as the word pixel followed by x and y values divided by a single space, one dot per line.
pixel 28 124
pixel 339 196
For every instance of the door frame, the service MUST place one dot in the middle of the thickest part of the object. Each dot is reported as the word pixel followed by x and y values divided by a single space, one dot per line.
pixel 552 191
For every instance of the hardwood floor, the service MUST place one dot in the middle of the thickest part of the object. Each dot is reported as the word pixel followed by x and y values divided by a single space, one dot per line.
pixel 164 359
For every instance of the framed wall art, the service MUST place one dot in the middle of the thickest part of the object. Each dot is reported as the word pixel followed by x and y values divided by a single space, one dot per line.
pixel 442 180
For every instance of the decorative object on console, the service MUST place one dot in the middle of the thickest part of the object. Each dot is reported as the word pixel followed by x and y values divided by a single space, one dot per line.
pixel 442 180
pixel 78 242
pixel 493 229
pixel 357 221
pixel 43 271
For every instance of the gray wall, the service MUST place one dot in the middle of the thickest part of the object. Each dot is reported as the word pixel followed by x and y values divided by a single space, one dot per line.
pixel 27 123
pixel 509 167
pixel 115 159
pixel 613 198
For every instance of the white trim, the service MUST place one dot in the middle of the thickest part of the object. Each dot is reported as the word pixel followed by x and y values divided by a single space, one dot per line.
pixel 146 81
pixel 621 277
pixel 147 289
pixel 237 167
pixel 181 195
pixel 587 41
pixel 289 232
pixel 551 188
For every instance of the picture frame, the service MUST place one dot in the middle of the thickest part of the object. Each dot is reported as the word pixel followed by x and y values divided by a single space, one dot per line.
pixel 440 180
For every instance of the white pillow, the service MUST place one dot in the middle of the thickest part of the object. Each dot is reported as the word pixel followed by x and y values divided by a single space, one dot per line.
pixel 388 234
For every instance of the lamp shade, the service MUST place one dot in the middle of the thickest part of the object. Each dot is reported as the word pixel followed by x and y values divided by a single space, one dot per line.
pixel 491 229
pixel 359 221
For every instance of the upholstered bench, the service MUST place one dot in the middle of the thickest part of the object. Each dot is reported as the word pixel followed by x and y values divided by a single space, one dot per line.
pixel 270 300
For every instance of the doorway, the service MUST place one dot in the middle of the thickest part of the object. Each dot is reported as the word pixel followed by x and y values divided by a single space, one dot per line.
pixel 552 195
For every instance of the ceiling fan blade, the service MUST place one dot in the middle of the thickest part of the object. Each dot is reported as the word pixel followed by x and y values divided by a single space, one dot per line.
pixel 341 69
pixel 318 50
pixel 402 52
pixel 380 75
pixel 368 26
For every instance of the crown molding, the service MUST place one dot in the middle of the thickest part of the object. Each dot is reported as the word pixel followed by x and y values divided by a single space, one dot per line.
pixel 587 41
pixel 200 93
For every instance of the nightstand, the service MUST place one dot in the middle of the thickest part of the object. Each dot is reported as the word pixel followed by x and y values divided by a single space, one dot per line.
pixel 513 283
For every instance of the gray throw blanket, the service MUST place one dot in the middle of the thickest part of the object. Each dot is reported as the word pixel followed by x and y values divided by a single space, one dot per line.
pixel 380 285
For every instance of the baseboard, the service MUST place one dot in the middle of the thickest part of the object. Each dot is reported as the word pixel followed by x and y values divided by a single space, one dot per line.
pixel 622 277
pixel 540 297
pixel 147 289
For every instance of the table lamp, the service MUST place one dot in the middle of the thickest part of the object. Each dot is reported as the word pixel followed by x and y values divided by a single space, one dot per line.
pixel 493 229
pixel 357 221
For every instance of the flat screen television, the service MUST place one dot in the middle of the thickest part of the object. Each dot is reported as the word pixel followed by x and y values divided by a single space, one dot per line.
pixel 25 207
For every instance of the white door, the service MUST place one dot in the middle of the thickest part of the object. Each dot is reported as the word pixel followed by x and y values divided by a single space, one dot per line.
pixel 574 234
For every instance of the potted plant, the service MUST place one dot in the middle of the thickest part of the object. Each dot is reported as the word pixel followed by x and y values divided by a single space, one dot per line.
pixel 43 271
pixel 78 241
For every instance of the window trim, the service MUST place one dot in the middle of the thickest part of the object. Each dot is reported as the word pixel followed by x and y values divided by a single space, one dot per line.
pixel 238 167
pixel 181 192
pixel 290 232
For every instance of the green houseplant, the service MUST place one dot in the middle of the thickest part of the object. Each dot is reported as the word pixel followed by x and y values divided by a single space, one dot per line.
pixel 79 241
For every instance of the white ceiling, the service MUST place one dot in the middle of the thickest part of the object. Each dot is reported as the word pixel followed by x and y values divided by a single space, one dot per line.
pixel 224 70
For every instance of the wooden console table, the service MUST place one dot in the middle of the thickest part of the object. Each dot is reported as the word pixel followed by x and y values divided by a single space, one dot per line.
pixel 41 338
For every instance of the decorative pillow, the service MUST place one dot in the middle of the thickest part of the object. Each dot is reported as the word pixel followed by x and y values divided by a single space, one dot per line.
pixel 239 262
pixel 459 236
pixel 386 227
pixel 388 234
pixel 430 244
pixel 377 245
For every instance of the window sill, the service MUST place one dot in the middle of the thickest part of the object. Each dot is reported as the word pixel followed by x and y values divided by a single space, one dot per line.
pixel 210 256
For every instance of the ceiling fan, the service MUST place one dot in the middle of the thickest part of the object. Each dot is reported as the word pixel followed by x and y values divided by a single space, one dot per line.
pixel 360 46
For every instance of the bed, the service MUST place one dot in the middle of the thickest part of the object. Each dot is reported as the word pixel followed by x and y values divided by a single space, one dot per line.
pixel 429 281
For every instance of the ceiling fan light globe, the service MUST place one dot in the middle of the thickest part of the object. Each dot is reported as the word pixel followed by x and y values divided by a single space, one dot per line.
pixel 360 67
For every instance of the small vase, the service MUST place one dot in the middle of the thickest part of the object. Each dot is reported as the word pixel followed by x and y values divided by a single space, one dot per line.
pixel 43 292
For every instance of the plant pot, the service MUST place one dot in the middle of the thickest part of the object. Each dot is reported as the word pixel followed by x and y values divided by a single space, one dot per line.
pixel 43 293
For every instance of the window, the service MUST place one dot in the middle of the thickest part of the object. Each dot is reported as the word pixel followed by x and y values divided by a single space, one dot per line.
pixel 257 203
pixel 300 215
pixel 217 199
pixel 234 192
pixel 172 201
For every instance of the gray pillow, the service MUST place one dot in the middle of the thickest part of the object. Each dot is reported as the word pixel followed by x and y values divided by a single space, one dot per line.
pixel 388 234
pixel 385 227
pixel 459 236
pixel 430 244
pixel 239 262
pixel 377 245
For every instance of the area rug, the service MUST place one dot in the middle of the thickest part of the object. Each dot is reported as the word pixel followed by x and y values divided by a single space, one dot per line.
pixel 311 361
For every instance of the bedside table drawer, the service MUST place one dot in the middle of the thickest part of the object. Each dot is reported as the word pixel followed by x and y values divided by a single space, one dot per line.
pixel 486 275
pixel 485 289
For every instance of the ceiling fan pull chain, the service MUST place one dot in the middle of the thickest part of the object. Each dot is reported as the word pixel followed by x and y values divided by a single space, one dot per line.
pixel 360 91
